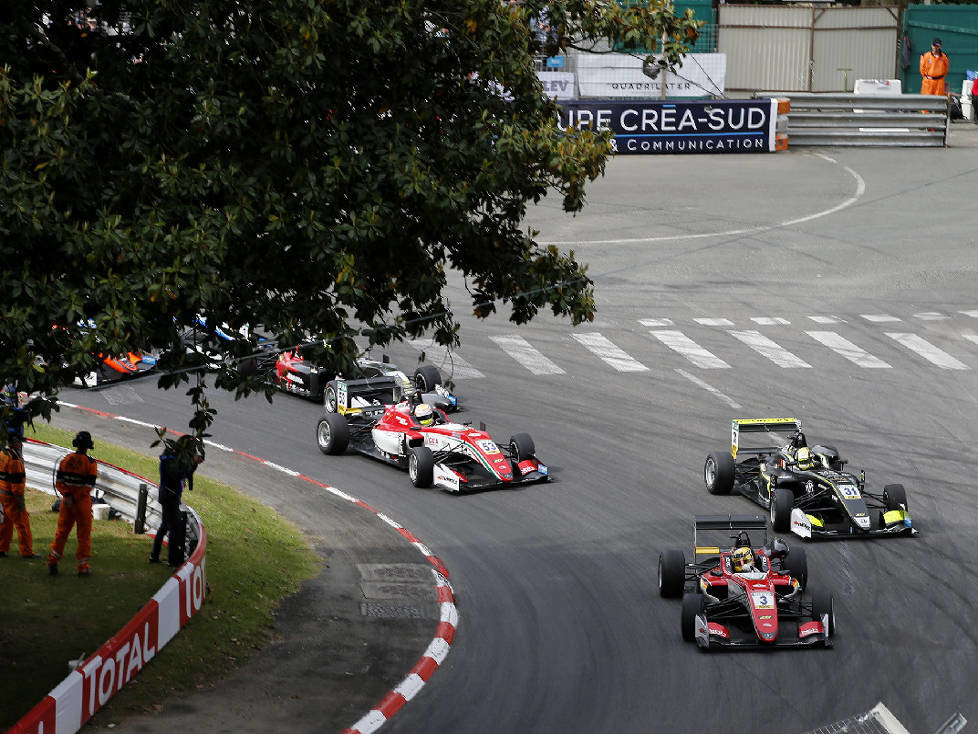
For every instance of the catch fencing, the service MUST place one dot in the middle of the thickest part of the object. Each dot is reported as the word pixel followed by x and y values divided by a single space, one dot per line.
pixel 100 676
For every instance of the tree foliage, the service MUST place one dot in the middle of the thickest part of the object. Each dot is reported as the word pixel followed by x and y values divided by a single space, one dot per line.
pixel 312 166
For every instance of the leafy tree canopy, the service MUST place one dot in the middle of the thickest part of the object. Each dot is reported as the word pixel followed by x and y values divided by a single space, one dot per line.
pixel 312 166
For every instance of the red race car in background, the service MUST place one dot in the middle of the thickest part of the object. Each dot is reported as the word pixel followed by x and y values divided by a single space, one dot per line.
pixel 453 456
pixel 747 596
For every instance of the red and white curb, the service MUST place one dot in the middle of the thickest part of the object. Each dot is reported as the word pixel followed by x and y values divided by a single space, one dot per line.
pixel 440 645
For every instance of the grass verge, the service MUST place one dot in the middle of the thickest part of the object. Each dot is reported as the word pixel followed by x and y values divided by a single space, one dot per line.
pixel 255 558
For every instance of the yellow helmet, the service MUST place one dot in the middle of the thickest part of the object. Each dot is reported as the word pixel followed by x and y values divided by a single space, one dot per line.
pixel 741 558
pixel 804 459
pixel 424 414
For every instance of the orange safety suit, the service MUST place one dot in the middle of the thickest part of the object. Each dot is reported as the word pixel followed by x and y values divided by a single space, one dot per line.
pixel 12 484
pixel 933 69
pixel 75 481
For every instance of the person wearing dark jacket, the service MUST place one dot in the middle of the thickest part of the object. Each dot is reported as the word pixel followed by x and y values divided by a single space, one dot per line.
pixel 177 466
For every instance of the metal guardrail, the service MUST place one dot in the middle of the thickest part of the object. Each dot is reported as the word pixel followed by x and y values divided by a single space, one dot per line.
pixel 903 120
pixel 121 489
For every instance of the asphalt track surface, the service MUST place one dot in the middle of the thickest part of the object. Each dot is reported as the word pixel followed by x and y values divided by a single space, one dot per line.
pixel 561 627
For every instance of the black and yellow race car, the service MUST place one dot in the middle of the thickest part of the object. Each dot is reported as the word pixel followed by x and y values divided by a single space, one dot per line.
pixel 805 488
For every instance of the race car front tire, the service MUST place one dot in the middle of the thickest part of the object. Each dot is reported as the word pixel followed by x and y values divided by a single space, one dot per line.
pixel 421 466
pixel 796 564
pixel 718 473
pixel 781 504
pixel 693 605
pixel 822 604
pixel 521 447
pixel 895 495
pixel 672 573
pixel 426 377
pixel 332 434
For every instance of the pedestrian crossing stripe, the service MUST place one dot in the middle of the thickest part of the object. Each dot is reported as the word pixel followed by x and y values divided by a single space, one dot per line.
pixel 535 362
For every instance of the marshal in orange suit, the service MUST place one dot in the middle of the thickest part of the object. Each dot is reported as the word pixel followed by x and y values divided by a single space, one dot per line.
pixel 75 481
pixel 933 69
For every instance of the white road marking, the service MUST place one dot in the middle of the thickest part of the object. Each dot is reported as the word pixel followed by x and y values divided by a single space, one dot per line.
pixel 841 345
pixel 714 322
pixel 860 190
pixel 972 314
pixel 827 319
pixel 971 337
pixel 768 348
pixel 679 342
pixel 527 355
pixel 928 351
pixel 655 322
pixel 710 389
pixel 450 364
pixel 931 316
pixel 880 318
pixel 609 352
pixel 769 320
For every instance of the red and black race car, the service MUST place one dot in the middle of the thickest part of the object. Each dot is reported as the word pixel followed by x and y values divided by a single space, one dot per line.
pixel 453 456
pixel 745 596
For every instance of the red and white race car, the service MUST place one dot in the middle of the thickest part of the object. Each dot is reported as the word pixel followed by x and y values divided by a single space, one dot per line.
pixel 746 596
pixel 453 456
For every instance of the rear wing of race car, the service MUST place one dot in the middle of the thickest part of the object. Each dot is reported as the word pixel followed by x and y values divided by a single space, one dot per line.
pixel 714 525
pixel 786 426
pixel 360 395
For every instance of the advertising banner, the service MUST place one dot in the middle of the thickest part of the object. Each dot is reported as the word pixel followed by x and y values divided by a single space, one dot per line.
pixel 557 84
pixel 693 126
pixel 605 76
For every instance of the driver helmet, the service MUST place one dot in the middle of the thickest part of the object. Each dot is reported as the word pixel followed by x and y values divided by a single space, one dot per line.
pixel 741 559
pixel 804 459
pixel 798 440
pixel 425 414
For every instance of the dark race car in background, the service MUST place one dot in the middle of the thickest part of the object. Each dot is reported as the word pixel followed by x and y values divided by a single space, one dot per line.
pixel 759 606
pixel 812 498
pixel 453 456
pixel 295 374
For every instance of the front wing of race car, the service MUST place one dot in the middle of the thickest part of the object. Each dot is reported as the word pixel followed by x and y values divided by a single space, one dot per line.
pixel 894 523
pixel 449 476
pixel 715 635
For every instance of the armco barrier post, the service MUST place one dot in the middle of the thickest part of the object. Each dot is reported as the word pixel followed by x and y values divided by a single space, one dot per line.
pixel 139 524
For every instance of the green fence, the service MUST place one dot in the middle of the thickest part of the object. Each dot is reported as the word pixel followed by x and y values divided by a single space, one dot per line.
pixel 955 25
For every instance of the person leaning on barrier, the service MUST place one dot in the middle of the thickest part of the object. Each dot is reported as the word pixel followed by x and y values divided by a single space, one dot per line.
pixel 933 68
pixel 75 480
pixel 178 462
pixel 13 482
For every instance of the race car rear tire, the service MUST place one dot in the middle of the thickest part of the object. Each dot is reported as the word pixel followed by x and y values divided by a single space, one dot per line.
pixel 693 605
pixel 521 447
pixel 426 377
pixel 332 434
pixel 421 466
pixel 672 573
pixel 796 564
pixel 329 398
pixel 781 506
pixel 895 495
pixel 822 604
pixel 718 473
